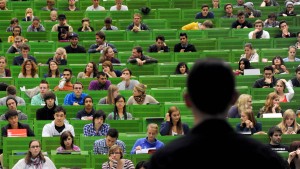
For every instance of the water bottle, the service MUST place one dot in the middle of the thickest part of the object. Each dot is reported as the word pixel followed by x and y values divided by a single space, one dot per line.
pixel 62 83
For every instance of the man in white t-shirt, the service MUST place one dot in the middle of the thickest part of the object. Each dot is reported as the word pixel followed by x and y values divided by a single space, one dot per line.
pixel 119 6
pixel 95 6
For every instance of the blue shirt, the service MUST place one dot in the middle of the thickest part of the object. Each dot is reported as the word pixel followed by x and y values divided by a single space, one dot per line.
pixel 144 143
pixel 200 16
pixel 88 130
pixel 19 60
pixel 71 98
pixel 287 59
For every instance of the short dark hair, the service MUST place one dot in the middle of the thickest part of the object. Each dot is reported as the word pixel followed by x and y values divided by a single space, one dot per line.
pixel 25 47
pixel 228 4
pixel 127 69
pixel 69 70
pixel 183 34
pixel 60 109
pixel 160 37
pixel 11 113
pixel 9 98
pixel 297 69
pixel 108 20
pixel 139 49
pixel 240 13
pixel 112 132
pixel 274 129
pixel 86 97
pixel 101 74
pixel 269 68
pixel 78 82
pixel 101 34
pixel 207 68
pixel 99 113
pixel 11 90
pixel 281 22
pixel 49 95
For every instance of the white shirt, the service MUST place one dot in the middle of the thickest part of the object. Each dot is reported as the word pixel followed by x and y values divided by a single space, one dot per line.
pixel 99 8
pixel 265 35
pixel 123 8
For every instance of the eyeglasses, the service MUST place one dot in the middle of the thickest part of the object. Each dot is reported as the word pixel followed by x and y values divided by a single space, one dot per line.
pixel 77 88
pixel 34 146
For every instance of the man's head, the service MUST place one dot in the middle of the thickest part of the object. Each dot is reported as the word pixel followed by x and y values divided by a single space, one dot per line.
pixel 248 7
pixel 126 74
pixel 49 98
pixel 241 17
pixel 283 25
pixel 275 134
pixel 36 21
pixel 206 24
pixel 226 95
pixel 59 116
pixel 11 90
pixel 11 103
pixel 77 89
pixel 88 102
pixel 25 50
pixel 95 3
pixel 137 18
pixel 100 37
pixel 183 38
pixel 268 72
pixel 62 19
pixel 137 52
pixel 12 117
pixel 258 24
pixel 297 71
pixel 111 137
pixel 72 2
pixel 102 78
pixel 99 118
pixel 67 74
pixel 44 87
pixel 228 8
pixel 204 9
pixel 160 40
pixel 18 41
pixel 108 22
pixel 73 39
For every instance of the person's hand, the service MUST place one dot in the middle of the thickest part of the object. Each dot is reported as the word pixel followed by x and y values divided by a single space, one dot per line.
pixel 285 31
pixel 139 62
pixel 135 29
pixel 100 48
pixel 245 27
pixel 251 16
pixel 268 80
pixel 138 148
pixel 167 117
pixel 75 104
pixel 275 106
pixel 283 67
pixel 182 50
pixel 239 27
pixel 284 81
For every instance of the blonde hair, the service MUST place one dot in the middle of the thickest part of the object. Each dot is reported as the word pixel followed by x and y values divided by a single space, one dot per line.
pixel 287 114
pixel 242 104
pixel 153 126
pixel 26 11
pixel 110 99
pixel 61 49
pixel 141 88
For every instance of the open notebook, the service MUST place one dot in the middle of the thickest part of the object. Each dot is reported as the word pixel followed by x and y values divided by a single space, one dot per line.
pixel 252 72
pixel 272 115
pixel 16 132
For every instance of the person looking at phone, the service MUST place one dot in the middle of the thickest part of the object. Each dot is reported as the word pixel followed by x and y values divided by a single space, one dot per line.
pixel 289 124
pixel 274 135
pixel 268 81
pixel 293 159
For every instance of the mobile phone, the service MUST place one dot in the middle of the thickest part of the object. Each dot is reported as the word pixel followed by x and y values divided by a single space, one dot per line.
pixel 290 128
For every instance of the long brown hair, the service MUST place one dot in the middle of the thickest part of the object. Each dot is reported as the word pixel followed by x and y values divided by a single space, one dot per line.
pixel 29 155
pixel 171 110
pixel 34 68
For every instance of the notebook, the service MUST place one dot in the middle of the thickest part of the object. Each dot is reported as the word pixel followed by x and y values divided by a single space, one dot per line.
pixel 251 71
pixel 16 132
pixel 272 115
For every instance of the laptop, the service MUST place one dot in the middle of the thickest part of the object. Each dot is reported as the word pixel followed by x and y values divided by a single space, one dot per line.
pixel 272 115
pixel 16 132
pixel 251 71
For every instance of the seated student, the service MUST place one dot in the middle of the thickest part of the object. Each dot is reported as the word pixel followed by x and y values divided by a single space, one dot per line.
pixel 50 6
pixel 101 83
pixel 148 142
pixel 108 68
pixel 127 83
pixel 272 105
pixel 295 81
pixel 86 27
pixel 16 46
pixel 102 146
pixel 53 70
pixel 39 99
pixel 140 97
pixel 67 142
pixel 184 45
pixel 289 10
pixel 205 13
pixel 13 22
pixel 275 134
pixel 12 104
pixel 228 8
pixel 292 51
pixel 284 31
pixel 58 125
pixel 268 80
pixel 271 21
pixel 243 102
pixel 159 46
pixel 112 93
pixel 119 6
pixel 258 32
pixel 139 58
pixel 47 112
pixel 289 124
pixel 4 72
pixel 280 87
pixel 279 66
pixel 34 158
pixel 248 123
pixel 29 69
pixel 36 26
pixel 90 71
pixel 76 97
pixel 98 127
pixel 241 22
pixel 250 12
pixel 181 69
pixel 60 56
pixel 108 25
pixel 28 15
pixel 11 90
pixel 108 54
pixel 244 63
pixel 173 125
pixel 88 111
pixel 293 158
pixel 116 160
pixel 198 26
pixel 119 112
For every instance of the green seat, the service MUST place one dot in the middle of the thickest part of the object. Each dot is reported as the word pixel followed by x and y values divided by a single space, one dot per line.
pixel 118 35
pixel 156 23
pixel 135 158
pixel 189 120
pixel 77 58
pixel 125 126
pixel 37 36
pixel 136 4
pixel 78 124
pixel 164 57
pixel 147 69
pixel 283 42
pixel 155 4
pixel 151 15
pixel 61 95
pixel 222 54
pixel 167 94
pixel 217 32
pixel 192 34
pixel 6 15
pixel 145 35
pixel 178 23
pixel 265 11
pixel 267 123
pixel 166 68
pixel 74 15
pixel 107 108
pixel 96 94
pixel 144 44
pixel 236 55
pixel 188 14
pixel 122 24
pixel 39 125
pixel 153 81
pixel 129 139
pixel 246 80
pixel 187 56
pixel 31 110
pixel 225 22
pixel 121 14
pixel 184 110
pixel 123 46
pixel 151 110
pixel 260 43
pixel 42 46
pixel 169 13
pixel 240 33
pixel 188 4
pixel 123 56
pixel 84 4
pixel 243 89
pixel 230 43
pixel 27 82
pixel 50 143
pixel 15 70
pixel 204 43
pixel 98 159
pixel 21 6
pixel 85 36
pixel 171 43
pixel 87 142
pixel 291 21
pixel 43 15
pixel 178 81
pixel 270 53
pixel 86 82
pixel 167 33
pixel 96 15
pixel 218 12
pixel 9 81
pixel 71 160
pixel 290 105
pixel 71 111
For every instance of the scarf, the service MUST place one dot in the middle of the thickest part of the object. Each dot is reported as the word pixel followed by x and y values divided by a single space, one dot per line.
pixel 140 99
pixel 259 34
pixel 36 162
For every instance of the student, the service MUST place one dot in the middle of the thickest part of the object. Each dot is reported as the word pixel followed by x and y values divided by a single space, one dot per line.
pixel 98 127
pixel 116 160
pixel 67 142
pixel 204 139
pixel 275 134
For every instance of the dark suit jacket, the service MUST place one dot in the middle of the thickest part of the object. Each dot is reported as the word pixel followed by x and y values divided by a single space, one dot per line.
pixel 189 48
pixel 214 143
